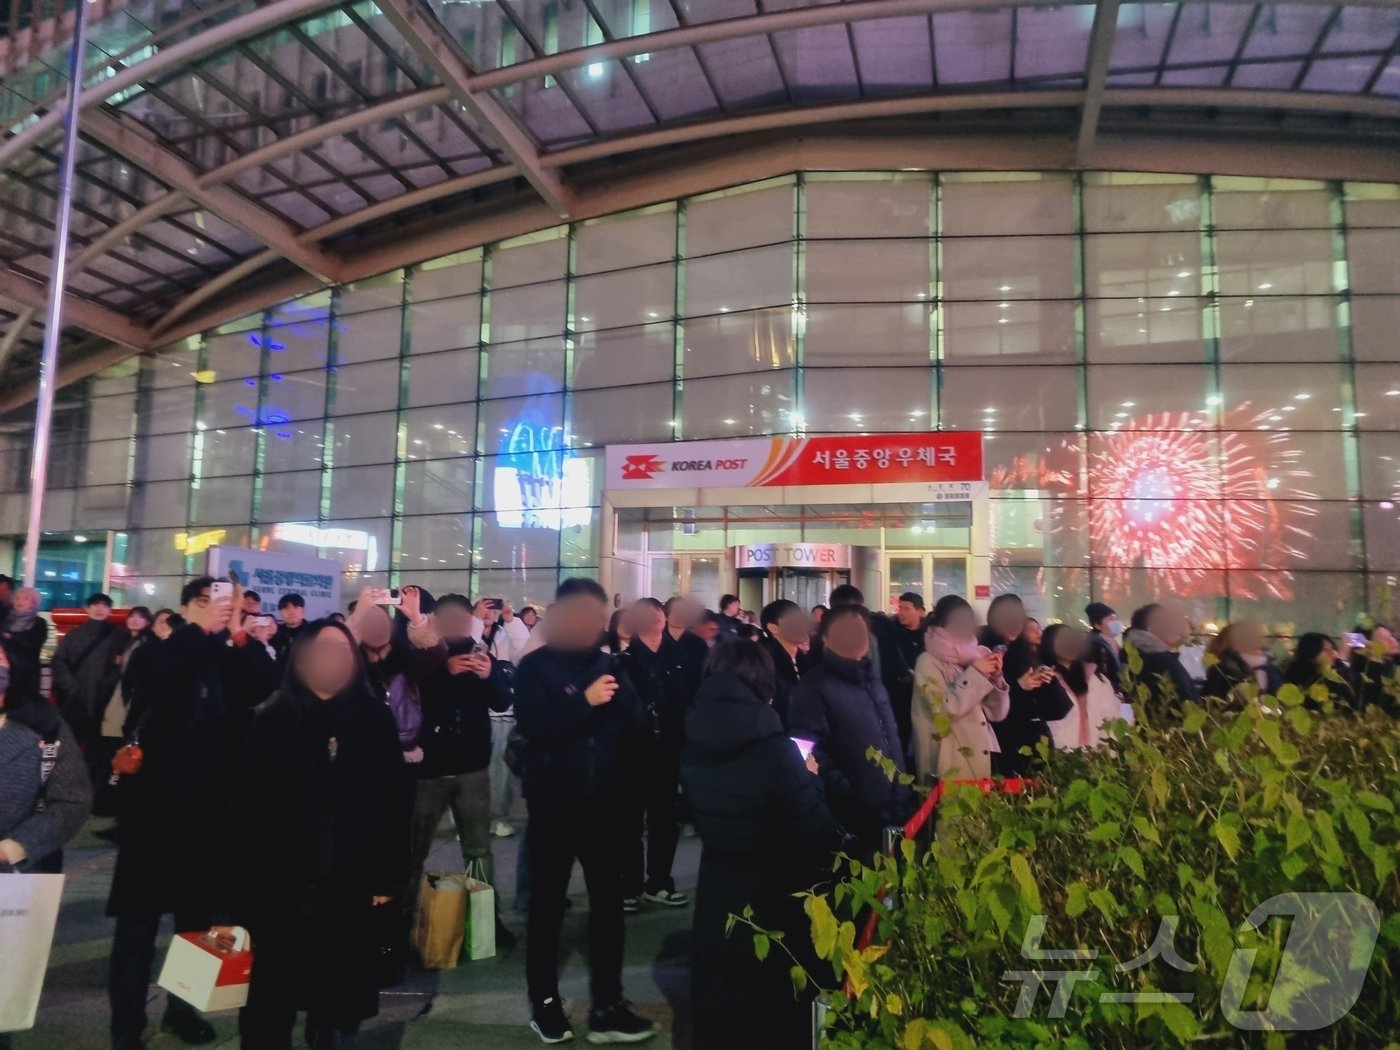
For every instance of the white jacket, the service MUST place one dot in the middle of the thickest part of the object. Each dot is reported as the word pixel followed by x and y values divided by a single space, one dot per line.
pixel 971 703
pixel 510 640
pixel 1083 726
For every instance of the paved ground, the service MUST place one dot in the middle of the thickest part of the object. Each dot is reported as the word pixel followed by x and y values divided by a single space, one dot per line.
pixel 480 1006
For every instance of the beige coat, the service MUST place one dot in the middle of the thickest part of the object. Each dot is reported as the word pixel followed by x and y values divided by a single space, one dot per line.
pixel 971 703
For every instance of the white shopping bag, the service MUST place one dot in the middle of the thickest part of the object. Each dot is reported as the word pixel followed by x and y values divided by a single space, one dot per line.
pixel 28 914
pixel 480 940
pixel 207 973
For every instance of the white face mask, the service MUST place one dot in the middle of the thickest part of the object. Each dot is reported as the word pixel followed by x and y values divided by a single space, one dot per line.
pixel 1115 628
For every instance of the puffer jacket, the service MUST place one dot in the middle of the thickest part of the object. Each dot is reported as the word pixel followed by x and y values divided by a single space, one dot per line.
pixel 841 705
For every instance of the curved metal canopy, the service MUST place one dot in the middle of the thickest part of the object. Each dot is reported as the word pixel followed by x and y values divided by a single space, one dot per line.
pixel 231 146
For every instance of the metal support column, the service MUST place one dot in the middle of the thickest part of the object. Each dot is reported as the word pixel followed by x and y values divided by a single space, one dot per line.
pixel 53 317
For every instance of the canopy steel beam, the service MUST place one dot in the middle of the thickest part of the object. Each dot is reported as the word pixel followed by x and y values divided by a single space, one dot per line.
pixel 129 139
pixel 1101 39
pixel 418 25
pixel 81 313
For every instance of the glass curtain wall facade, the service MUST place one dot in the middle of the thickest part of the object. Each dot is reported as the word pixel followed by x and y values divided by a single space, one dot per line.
pixel 1189 387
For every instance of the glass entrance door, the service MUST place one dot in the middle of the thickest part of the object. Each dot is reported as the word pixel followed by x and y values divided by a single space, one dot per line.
pixel 694 575
pixel 931 574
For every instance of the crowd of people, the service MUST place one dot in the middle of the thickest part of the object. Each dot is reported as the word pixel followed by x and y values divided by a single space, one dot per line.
pixel 289 777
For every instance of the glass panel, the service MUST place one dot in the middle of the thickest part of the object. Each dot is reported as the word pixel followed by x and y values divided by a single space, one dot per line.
pixel 977 204
pixel 299 449
pixel 1156 330
pixel 170 411
pixel 1378 397
pixel 1163 264
pixel 362 492
pixel 221 501
pixel 870 335
pixel 949 577
pixel 442 543
pixel 297 344
pixel 300 395
pixel 372 293
pixel 369 336
pixel 159 503
pixel 361 440
pixel 440 432
pixel 1274 262
pixel 726 343
pixel 1128 201
pixel 906 576
pixel 631 239
pixel 1270 204
pixel 444 324
pixel 665 576
pixel 1008 268
pixel 625 297
pixel 1024 399
pixel 876 400
pixel 367 388
pixel 763 213
pixel 526 260
pixel 1288 535
pixel 447 377
pixel 1374 323
pixel 705 576
pixel 228 451
pixel 624 355
pixel 622 414
pixel 998 332
pixel 527 313
pixel 229 404
pixel 1280 329
pixel 293 496
pixel 854 271
pixel 739 280
pixel 1295 397
pixel 876 205
pixel 439 486
pixel 456 275
pixel 1138 397
pixel 746 404
pixel 163 457
pixel 1374 260
pixel 519 368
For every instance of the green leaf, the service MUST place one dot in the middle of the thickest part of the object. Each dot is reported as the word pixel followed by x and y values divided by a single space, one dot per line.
pixel 1228 838
pixel 1133 859
pixel 824 926
pixel 1301 721
pixel 761 945
pixel 1025 881
pixel 1076 899
pixel 1181 1020
pixel 1106 831
pixel 1104 901
pixel 1293 865
pixel 1146 829
pixel 1194 719
pixel 1298 832
pixel 1328 847
pixel 799 979
pixel 1371 800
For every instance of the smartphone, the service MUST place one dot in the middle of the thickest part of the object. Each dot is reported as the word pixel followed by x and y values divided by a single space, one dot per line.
pixel 221 590
pixel 495 604
pixel 388 596
pixel 804 747
pixel 999 648
pixel 261 621
pixel 1356 641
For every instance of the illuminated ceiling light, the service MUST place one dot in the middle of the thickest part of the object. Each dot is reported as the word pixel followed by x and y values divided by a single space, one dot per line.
pixel 729 422
pixel 1392 393
pixel 724 309
pixel 1265 286
pixel 1275 419
pixel 652 313
pixel 595 70
pixel 1003 306
pixel 79 539
pixel 1005 288
pixel 1302 397
pixel 1387 505
pixel 1213 399
pixel 1273 483
pixel 1003 320
pixel 1358 415
pixel 1130 404
pixel 437 426
pixel 1173 292
pixel 1184 273
pixel 855 416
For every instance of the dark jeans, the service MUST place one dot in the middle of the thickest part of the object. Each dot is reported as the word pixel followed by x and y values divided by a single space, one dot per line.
pixel 129 976
pixel 267 1021
pixel 561 831
pixel 655 817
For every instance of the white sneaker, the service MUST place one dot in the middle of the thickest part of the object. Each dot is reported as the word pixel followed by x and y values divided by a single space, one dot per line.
pixel 502 830
pixel 669 898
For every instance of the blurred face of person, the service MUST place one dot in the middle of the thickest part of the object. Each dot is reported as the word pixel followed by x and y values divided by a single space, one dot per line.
pixel 161 627
pixel 1169 625
pixel 647 619
pixel 909 615
pixel 1249 638
pixel 1033 632
pixel 793 627
pixel 375 629
pixel 99 611
pixel 1070 645
pixel 961 625
pixel 326 664
pixel 708 631
pixel 252 605
pixel 529 618
pixel 1328 656
pixel 848 637
pixel 1386 639
pixel 1113 627
pixel 732 609
pixel 263 633
pixel 293 615
pixel 577 622
pixel 817 615
pixel 6 591
pixel 26 600
pixel 1008 620
pixel 681 615
pixel 452 620
pixel 136 623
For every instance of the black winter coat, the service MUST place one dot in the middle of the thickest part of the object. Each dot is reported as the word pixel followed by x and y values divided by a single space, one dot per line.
pixel 1031 709
pixel 574 749
pixel 1232 672
pixel 1106 656
pixel 842 706
pixel 767 835
pixel 23 649
pixel 1376 683
pixel 786 675
pixel 85 672
pixel 456 731
pixel 319 827
pixel 665 685
pixel 172 812
pixel 900 649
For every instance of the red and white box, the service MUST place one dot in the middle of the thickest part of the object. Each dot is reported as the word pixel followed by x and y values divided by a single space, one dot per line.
pixel 207 972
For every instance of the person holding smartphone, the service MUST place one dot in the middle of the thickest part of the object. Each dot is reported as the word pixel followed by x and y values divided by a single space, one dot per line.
pixel 958 678
pixel 580 721
pixel 1036 698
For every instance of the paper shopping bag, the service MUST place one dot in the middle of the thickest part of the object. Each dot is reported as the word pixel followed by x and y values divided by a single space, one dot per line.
pixel 481 919
pixel 208 973
pixel 441 921
pixel 28 914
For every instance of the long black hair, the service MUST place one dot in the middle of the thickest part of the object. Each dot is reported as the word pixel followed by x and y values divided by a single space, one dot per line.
pixel 1302 670
pixel 1077 674
pixel 747 661
pixel 293 688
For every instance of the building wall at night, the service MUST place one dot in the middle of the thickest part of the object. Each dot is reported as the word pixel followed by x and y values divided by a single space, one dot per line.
pixel 1190 387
